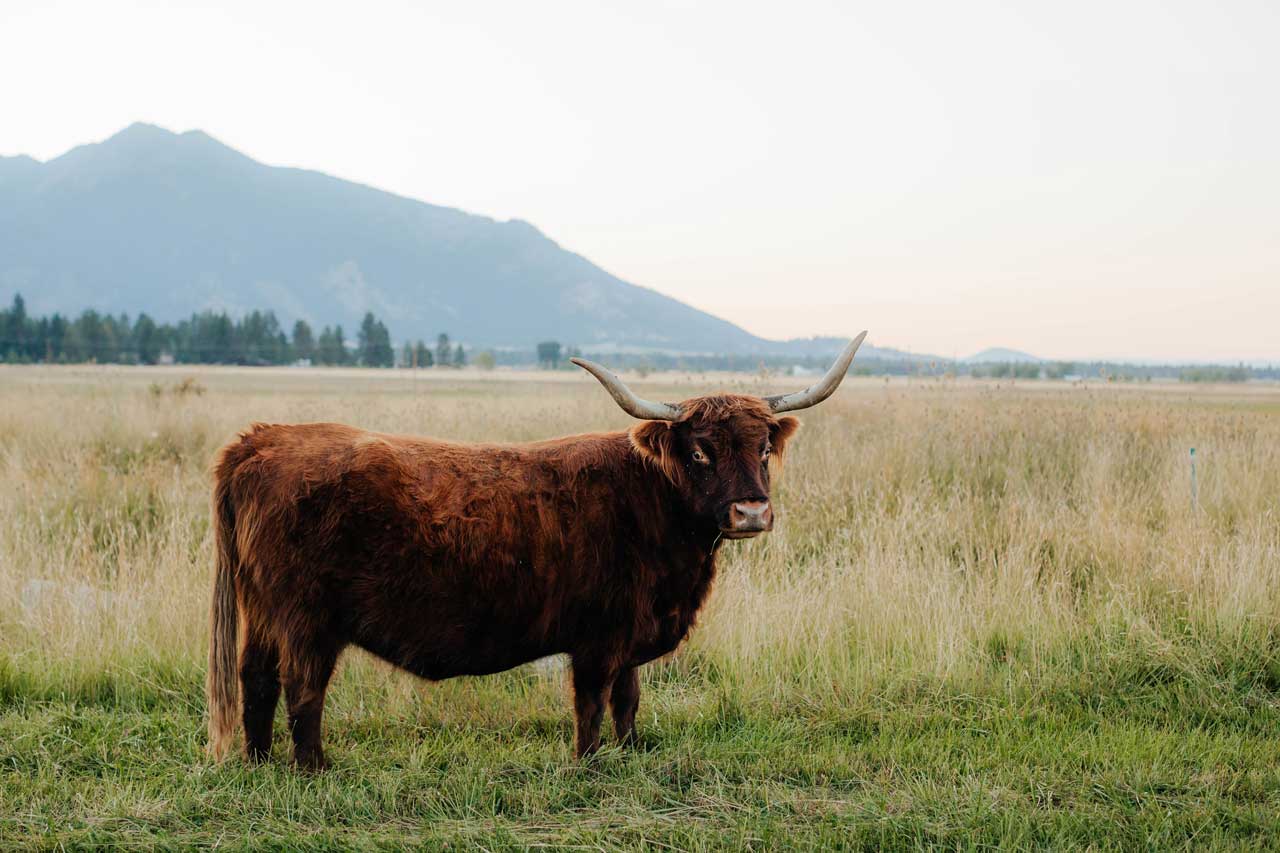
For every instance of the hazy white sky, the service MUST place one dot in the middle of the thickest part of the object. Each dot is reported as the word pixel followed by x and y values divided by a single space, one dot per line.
pixel 1072 179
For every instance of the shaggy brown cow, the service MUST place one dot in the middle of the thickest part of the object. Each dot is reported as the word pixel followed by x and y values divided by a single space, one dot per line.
pixel 464 559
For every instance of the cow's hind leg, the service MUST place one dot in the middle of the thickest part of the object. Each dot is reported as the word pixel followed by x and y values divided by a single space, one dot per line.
pixel 624 699
pixel 306 678
pixel 259 694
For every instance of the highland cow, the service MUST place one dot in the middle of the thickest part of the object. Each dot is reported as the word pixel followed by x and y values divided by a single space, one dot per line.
pixel 454 559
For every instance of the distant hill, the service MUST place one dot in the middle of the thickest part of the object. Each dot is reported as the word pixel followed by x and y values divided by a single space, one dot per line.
pixel 1000 354
pixel 169 224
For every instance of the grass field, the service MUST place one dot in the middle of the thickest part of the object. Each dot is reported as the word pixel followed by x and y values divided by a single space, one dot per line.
pixel 989 615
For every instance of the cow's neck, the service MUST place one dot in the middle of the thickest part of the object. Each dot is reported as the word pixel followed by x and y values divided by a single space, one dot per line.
pixel 673 587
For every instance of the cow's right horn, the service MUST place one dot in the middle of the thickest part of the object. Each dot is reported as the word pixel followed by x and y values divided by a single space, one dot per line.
pixel 820 390
pixel 630 403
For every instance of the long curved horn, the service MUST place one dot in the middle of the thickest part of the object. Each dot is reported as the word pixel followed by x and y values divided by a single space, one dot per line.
pixel 630 403
pixel 821 390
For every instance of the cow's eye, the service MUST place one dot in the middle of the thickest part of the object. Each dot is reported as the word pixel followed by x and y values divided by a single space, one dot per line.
pixel 764 454
pixel 700 457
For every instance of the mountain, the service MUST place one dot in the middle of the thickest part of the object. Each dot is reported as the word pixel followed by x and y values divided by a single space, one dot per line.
pixel 1000 354
pixel 824 346
pixel 167 223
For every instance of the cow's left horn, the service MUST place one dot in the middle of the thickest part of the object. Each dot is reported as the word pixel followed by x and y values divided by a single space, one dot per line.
pixel 630 403
pixel 821 390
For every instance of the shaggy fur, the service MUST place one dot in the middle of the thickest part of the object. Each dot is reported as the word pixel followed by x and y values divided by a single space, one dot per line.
pixel 463 559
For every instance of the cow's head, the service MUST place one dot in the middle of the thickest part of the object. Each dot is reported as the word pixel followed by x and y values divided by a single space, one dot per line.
pixel 716 450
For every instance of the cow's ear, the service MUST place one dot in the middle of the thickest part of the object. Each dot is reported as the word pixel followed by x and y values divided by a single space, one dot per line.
pixel 781 430
pixel 655 441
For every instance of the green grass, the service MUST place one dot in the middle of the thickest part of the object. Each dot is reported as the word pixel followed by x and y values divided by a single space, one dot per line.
pixel 1136 754
pixel 989 616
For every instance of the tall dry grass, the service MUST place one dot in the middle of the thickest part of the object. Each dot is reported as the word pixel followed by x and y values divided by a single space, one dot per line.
pixel 930 533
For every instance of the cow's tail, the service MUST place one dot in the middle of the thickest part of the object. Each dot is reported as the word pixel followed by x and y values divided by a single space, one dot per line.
pixel 223 683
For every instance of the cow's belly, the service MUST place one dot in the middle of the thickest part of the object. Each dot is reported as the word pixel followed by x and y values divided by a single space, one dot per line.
pixel 447 625
pixel 437 665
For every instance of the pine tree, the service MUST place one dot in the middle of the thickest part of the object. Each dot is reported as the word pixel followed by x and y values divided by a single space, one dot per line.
pixel 326 351
pixel 383 351
pixel 423 353
pixel 304 345
pixel 374 343
pixel 340 354
pixel 366 340
pixel 146 340
pixel 14 331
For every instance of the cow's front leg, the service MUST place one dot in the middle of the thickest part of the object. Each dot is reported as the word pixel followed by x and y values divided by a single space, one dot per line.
pixel 591 682
pixel 624 699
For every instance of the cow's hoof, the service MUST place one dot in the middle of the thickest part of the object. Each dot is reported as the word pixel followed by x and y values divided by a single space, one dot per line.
pixel 310 762
pixel 254 757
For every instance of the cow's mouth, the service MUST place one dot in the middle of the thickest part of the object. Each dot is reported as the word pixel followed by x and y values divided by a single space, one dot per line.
pixel 741 534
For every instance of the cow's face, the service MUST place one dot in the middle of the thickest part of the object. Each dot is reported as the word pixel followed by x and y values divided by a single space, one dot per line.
pixel 716 450
pixel 718 455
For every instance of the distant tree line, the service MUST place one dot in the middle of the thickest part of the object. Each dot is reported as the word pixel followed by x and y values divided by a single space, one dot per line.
pixel 207 337
pixel 1212 373
pixel 1107 371
pixel 550 354
pixel 1009 370
pixel 444 355
pixel 257 339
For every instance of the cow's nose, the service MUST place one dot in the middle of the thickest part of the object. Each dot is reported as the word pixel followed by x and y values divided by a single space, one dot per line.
pixel 751 516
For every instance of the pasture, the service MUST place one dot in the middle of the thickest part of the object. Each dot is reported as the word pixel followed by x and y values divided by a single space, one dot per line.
pixel 988 614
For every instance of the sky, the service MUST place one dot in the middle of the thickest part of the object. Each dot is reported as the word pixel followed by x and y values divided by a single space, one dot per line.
pixel 1077 180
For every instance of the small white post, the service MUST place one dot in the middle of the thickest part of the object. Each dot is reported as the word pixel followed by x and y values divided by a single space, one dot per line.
pixel 1195 495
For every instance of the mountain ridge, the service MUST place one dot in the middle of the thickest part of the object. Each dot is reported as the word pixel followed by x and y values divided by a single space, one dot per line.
pixel 1003 355
pixel 171 223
